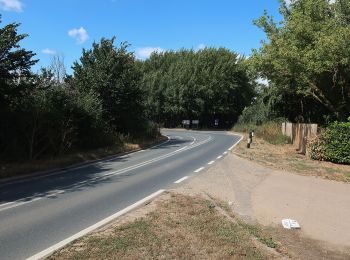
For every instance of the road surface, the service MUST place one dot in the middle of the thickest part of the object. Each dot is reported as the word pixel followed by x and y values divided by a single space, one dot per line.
pixel 39 212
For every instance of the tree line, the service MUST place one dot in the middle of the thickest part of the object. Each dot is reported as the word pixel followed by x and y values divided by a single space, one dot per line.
pixel 111 95
pixel 204 85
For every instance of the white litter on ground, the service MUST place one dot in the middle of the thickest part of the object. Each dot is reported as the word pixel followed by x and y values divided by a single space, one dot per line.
pixel 290 224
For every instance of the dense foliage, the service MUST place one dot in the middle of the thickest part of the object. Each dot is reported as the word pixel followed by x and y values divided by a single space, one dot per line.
pixel 334 144
pixel 307 60
pixel 107 76
pixel 48 114
pixel 208 84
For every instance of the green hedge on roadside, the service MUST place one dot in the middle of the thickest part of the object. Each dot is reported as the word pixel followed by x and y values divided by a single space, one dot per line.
pixel 333 145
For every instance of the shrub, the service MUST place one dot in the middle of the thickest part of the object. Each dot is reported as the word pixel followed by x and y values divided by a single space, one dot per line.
pixel 315 148
pixel 333 145
pixel 269 131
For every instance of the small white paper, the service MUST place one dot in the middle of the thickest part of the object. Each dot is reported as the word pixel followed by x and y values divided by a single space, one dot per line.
pixel 290 224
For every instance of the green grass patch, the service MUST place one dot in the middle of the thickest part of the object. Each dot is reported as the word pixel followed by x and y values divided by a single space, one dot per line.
pixel 269 131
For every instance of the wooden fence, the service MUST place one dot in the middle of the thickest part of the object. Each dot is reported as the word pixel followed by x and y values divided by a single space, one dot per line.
pixel 300 134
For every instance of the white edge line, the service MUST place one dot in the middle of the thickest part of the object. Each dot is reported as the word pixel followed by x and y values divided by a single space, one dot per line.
pixel 133 167
pixel 211 162
pixel 181 180
pixel 199 169
pixel 233 146
pixel 219 157
pixel 72 167
pixel 99 224
pixel 20 203
pixel 225 153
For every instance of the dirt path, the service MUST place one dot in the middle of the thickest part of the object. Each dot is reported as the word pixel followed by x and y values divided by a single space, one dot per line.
pixel 261 194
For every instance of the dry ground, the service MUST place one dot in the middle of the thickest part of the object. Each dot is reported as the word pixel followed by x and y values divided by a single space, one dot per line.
pixel 177 226
pixel 285 157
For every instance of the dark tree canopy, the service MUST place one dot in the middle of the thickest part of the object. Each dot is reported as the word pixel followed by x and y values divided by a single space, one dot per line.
pixel 15 64
pixel 109 74
pixel 206 85
pixel 307 59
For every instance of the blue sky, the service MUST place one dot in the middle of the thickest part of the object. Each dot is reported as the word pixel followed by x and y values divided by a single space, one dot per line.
pixel 67 26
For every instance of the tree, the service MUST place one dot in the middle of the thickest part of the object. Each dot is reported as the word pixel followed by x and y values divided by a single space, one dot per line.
pixel 206 85
pixel 307 58
pixel 58 68
pixel 109 73
pixel 15 64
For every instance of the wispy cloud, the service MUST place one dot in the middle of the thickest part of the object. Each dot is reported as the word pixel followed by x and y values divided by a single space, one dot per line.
pixel 145 53
pixel 11 5
pixel 49 51
pixel 200 47
pixel 80 34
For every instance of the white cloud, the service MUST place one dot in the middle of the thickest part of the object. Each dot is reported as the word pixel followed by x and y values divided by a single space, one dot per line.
pixel 80 34
pixel 145 53
pixel 11 5
pixel 49 51
pixel 201 47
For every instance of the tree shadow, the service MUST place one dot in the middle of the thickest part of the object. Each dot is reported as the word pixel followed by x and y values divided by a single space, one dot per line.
pixel 72 180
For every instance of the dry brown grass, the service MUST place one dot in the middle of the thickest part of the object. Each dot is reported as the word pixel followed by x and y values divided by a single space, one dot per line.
pixel 29 167
pixel 181 227
pixel 285 157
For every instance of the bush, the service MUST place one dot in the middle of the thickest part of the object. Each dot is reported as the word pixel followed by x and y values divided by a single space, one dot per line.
pixel 269 131
pixel 333 145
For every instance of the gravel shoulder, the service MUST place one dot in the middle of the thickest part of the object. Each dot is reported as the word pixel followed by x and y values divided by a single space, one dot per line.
pixel 266 196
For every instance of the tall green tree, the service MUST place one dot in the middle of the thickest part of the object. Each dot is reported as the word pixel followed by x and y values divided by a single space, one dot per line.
pixel 307 58
pixel 109 74
pixel 206 85
pixel 15 64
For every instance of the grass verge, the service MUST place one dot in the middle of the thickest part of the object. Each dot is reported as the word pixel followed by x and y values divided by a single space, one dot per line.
pixel 285 157
pixel 8 170
pixel 269 131
pixel 181 227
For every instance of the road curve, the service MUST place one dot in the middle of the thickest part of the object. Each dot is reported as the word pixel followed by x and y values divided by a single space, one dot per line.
pixel 39 212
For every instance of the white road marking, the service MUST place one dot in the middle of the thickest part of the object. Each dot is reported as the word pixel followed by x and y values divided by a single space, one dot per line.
pixel 99 224
pixel 211 162
pixel 54 193
pixel 219 157
pixel 199 169
pixel 108 174
pixel 7 203
pixel 14 204
pixel 233 146
pixel 24 201
pixel 194 139
pixel 83 166
pixel 181 180
pixel 224 153
pixel 133 167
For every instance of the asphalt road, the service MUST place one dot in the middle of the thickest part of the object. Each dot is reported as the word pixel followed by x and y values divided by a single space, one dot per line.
pixel 39 212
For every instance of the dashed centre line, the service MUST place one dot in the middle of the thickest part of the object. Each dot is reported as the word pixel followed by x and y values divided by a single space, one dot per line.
pixel 219 157
pixel 211 162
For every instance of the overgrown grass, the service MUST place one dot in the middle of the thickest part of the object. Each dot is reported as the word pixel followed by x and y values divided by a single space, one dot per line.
pixel 182 227
pixel 269 131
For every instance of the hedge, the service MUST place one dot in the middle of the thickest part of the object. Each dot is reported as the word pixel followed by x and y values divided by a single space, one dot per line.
pixel 333 145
